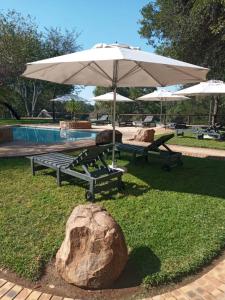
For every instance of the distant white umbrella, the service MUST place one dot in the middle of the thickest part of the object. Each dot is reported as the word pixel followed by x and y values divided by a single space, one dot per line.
pixel 67 98
pixel 203 89
pixel 207 88
pixel 109 97
pixel 64 99
pixel 162 95
pixel 115 66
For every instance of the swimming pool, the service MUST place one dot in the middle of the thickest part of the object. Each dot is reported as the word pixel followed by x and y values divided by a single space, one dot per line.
pixel 37 135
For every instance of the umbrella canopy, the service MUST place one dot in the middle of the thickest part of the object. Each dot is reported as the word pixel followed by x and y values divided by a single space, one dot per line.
pixel 211 87
pixel 68 97
pixel 203 89
pixel 115 65
pixel 107 65
pixel 162 95
pixel 109 97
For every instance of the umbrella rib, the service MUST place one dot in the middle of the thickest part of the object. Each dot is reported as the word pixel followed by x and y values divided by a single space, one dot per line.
pixel 106 75
pixel 129 73
pixel 74 74
pixel 149 73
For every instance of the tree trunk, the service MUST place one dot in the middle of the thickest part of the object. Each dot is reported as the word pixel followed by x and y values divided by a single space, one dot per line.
pixel 215 110
pixel 21 88
pixel 37 89
pixel 11 109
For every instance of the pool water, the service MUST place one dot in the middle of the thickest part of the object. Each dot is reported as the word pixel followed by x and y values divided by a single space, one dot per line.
pixel 37 135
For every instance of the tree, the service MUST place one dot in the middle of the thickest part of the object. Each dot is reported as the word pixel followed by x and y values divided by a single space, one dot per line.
pixel 77 107
pixel 18 41
pixel 21 42
pixel 193 31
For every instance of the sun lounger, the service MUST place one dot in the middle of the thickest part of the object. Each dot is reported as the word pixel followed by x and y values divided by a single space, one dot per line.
pixel 89 166
pixel 147 122
pixel 169 157
pixel 127 123
pixel 104 119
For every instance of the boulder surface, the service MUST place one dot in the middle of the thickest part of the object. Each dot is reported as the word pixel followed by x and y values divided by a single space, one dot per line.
pixel 145 135
pixel 106 137
pixel 93 253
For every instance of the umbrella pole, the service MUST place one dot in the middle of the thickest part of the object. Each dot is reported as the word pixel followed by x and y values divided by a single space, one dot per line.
pixel 114 126
pixel 115 74
pixel 53 111
pixel 161 106
pixel 210 111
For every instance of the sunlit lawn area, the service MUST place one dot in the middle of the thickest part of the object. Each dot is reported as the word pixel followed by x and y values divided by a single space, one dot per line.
pixel 173 222
pixel 190 140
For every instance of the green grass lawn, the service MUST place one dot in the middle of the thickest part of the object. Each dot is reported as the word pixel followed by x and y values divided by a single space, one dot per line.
pixel 190 140
pixel 174 223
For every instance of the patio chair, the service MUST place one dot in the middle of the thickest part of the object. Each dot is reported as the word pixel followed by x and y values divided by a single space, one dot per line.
pixel 103 120
pixel 89 166
pixel 169 157
pixel 147 122
pixel 125 122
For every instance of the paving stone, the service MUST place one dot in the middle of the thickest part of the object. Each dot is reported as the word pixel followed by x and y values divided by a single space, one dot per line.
pixel 11 294
pixel 5 288
pixel 56 298
pixel 45 296
pixel 159 297
pixel 2 281
pixel 23 294
pixel 216 292
pixel 34 295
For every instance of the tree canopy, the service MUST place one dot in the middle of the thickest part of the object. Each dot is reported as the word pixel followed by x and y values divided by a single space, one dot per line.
pixel 189 30
pixel 20 42
pixel 193 31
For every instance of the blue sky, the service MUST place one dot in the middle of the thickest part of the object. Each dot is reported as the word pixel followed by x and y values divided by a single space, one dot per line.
pixel 98 21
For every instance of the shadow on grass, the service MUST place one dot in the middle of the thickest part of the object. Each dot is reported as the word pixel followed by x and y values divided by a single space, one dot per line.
pixel 199 176
pixel 131 188
pixel 142 262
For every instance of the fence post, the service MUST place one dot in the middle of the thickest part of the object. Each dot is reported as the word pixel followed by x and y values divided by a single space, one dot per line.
pixel 188 119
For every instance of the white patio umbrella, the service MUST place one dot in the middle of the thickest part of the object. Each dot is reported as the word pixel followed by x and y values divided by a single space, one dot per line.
pixel 109 97
pixel 210 87
pixel 162 95
pixel 203 89
pixel 115 65
pixel 64 99
pixel 67 98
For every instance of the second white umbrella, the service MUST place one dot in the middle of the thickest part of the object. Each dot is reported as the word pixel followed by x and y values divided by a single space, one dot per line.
pixel 161 95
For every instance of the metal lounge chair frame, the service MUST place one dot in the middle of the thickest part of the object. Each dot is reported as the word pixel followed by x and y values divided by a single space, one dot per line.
pixel 148 121
pixel 104 119
pixel 169 157
pixel 95 170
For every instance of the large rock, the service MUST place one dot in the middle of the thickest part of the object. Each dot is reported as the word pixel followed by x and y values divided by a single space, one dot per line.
pixel 6 134
pixel 106 136
pixel 145 135
pixel 93 253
